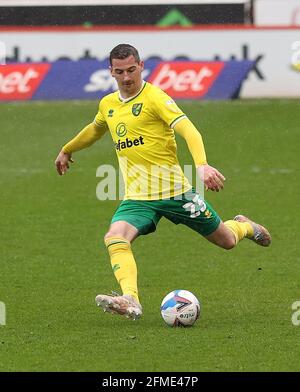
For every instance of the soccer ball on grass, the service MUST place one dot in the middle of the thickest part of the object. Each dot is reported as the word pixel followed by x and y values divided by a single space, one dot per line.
pixel 180 308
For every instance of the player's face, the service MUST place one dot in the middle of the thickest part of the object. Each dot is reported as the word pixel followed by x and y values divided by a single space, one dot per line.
pixel 128 74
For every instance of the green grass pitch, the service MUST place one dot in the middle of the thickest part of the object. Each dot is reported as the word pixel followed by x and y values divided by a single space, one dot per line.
pixel 53 261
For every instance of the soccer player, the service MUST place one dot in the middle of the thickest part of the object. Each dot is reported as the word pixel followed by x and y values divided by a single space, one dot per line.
pixel 142 119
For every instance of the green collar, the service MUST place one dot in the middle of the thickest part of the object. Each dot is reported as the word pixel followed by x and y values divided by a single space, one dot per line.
pixel 131 98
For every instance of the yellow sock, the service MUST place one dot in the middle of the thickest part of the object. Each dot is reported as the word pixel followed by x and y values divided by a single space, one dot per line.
pixel 239 229
pixel 123 264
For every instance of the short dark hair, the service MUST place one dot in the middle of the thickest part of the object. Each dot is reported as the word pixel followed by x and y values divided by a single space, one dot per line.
pixel 122 51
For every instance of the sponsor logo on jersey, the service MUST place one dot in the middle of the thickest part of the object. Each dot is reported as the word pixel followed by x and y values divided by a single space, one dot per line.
pixel 121 130
pixel 110 112
pixel 136 108
pixel 127 143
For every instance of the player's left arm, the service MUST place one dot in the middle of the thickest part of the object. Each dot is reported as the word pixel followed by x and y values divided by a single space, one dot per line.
pixel 211 177
pixel 84 139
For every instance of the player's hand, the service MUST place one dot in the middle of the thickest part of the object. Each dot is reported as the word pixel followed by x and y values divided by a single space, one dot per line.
pixel 211 177
pixel 62 162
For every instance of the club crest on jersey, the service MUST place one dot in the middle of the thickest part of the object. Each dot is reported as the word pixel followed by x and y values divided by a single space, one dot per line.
pixel 121 130
pixel 136 108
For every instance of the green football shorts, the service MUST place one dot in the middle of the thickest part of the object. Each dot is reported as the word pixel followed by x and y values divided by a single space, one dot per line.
pixel 188 209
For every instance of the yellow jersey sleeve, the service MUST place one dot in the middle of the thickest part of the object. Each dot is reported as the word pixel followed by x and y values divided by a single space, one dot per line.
pixel 85 138
pixel 193 138
pixel 88 134
pixel 99 119
pixel 166 108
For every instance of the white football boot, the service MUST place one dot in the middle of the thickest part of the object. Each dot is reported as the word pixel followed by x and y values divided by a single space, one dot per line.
pixel 261 235
pixel 125 305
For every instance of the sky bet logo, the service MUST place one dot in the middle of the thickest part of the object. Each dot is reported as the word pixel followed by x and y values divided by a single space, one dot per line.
pixel 129 143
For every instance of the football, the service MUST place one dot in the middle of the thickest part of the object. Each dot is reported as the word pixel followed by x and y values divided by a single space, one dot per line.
pixel 180 308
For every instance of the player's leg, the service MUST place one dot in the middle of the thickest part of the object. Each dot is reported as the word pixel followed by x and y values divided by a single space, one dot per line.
pixel 118 241
pixel 231 232
pixel 196 213
pixel 222 237
pixel 122 229
pixel 130 220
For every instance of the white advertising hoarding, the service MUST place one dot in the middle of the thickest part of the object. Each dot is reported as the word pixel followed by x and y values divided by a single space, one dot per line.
pixel 277 12
pixel 276 51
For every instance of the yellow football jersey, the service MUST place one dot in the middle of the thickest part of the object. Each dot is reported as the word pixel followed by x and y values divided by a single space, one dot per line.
pixel 141 128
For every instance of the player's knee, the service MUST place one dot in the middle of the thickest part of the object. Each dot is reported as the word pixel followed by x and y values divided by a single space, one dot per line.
pixel 107 236
pixel 112 235
pixel 228 244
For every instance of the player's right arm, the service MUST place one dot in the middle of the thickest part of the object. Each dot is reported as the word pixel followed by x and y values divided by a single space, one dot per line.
pixel 89 134
pixel 172 115
pixel 211 177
